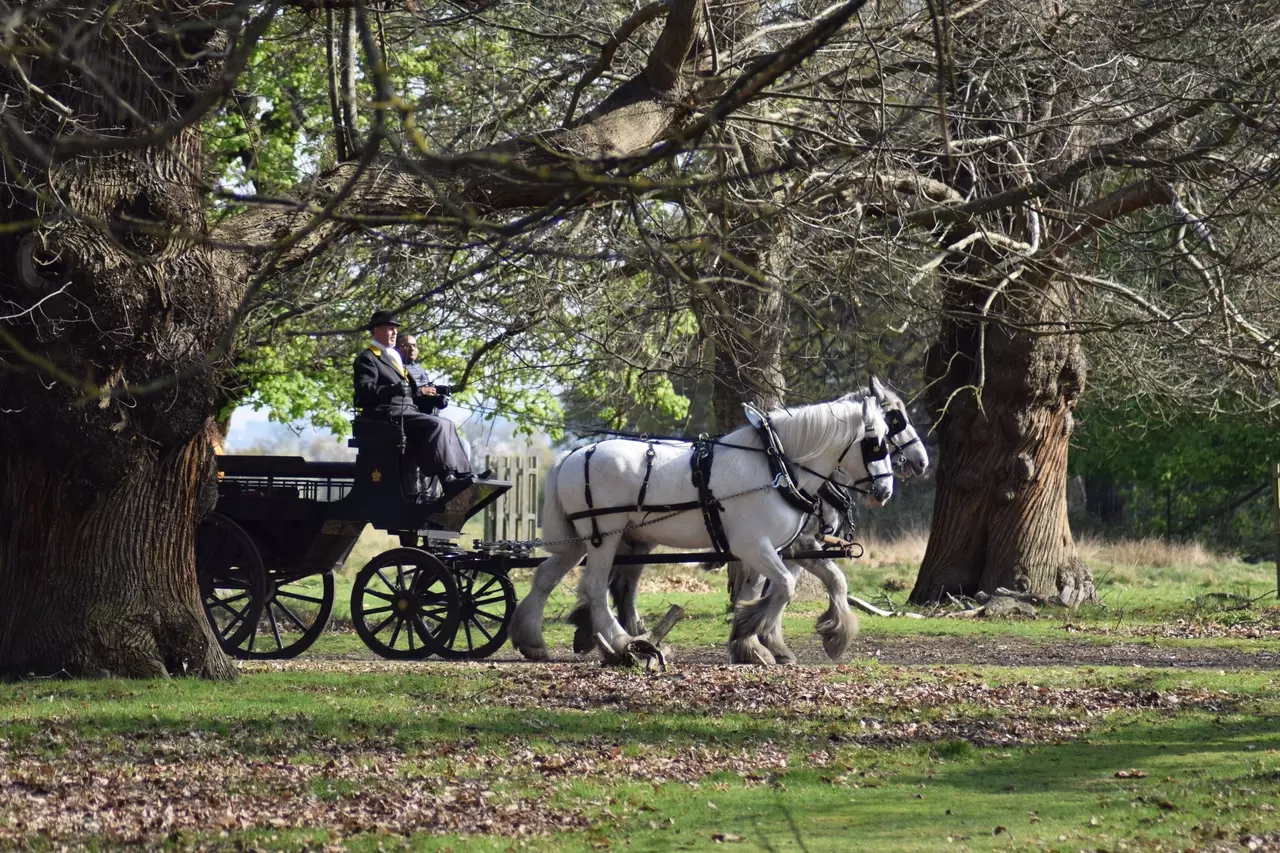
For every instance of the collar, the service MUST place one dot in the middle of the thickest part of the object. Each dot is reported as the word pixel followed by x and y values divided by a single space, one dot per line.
pixel 390 354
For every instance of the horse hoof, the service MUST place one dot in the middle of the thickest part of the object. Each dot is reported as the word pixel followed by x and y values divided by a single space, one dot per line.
pixel 533 652
pixel 582 640
pixel 611 655
pixel 750 651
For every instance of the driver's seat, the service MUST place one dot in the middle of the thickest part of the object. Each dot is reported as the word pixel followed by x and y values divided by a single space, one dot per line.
pixel 378 441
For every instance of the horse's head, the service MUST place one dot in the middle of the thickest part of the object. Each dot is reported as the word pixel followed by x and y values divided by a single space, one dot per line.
pixel 871 468
pixel 909 453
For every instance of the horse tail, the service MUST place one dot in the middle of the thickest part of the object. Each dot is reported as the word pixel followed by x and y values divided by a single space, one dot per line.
pixel 555 521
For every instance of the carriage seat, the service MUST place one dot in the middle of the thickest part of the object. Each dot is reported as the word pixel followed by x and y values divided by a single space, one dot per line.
pixel 374 434
pixel 381 439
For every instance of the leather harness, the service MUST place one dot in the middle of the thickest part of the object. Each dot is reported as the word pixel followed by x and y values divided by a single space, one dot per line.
pixel 700 465
pixel 780 466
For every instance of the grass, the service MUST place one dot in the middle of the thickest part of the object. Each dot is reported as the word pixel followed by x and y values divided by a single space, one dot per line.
pixel 665 776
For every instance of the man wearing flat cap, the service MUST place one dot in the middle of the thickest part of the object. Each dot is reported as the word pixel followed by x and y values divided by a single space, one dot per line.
pixel 384 391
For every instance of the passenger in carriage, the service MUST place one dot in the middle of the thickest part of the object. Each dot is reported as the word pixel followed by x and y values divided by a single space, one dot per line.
pixel 426 396
pixel 384 390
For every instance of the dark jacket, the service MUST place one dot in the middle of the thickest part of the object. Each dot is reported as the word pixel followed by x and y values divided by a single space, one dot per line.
pixel 382 388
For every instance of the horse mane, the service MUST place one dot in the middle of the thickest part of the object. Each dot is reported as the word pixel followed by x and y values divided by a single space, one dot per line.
pixel 819 426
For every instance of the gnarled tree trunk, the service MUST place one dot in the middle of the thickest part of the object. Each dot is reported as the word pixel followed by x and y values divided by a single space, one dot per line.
pixel 105 387
pixel 105 587
pixel 1000 516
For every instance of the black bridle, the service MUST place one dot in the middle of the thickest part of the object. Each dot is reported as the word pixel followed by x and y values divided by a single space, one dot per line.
pixel 897 423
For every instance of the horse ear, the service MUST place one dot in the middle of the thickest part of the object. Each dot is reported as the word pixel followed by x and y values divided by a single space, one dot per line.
pixel 877 387
pixel 867 413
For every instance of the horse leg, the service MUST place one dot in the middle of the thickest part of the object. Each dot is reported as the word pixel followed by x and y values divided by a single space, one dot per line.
pixel 754 618
pixel 624 583
pixel 772 638
pixel 593 594
pixel 624 586
pixel 838 625
pixel 526 623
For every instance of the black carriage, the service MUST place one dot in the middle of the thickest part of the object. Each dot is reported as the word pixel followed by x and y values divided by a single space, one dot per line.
pixel 284 525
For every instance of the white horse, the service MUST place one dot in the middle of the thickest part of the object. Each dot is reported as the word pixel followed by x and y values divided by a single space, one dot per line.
pixel 909 456
pixel 757 519
pixel 837 627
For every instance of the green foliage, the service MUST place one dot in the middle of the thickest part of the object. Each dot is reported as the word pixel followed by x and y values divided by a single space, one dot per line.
pixel 1186 474
pixel 1132 446
pixel 294 382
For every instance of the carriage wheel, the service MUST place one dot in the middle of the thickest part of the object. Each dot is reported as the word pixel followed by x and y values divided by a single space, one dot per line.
pixel 488 602
pixel 233 582
pixel 293 616
pixel 403 601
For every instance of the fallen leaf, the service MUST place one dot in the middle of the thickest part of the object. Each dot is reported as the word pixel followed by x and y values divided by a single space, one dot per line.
pixel 725 837
pixel 1132 773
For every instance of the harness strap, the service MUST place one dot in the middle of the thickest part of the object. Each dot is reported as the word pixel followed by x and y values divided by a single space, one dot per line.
pixel 703 453
pixel 611 510
pixel 648 469
pixel 838 498
pixel 779 465
pixel 596 538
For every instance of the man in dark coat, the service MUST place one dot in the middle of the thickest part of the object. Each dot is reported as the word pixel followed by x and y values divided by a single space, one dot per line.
pixel 383 390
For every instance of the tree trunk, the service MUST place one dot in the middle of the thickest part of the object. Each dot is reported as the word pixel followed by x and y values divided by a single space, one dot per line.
pixel 1000 516
pixel 106 589
pixel 106 385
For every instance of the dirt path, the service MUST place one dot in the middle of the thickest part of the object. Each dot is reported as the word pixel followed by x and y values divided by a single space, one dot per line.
pixel 980 651
pixel 1013 651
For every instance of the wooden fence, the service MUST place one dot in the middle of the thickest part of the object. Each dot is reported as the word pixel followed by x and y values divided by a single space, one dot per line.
pixel 515 514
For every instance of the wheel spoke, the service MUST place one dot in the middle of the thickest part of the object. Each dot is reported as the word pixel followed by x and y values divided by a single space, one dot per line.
pixel 377 610
pixel 225 604
pixel 479 627
pixel 310 599
pixel 287 612
pixel 487 615
pixel 381 595
pixel 382 624
pixel 388 583
pixel 396 633
pixel 275 628
pixel 489 584
pixel 493 599
pixel 230 626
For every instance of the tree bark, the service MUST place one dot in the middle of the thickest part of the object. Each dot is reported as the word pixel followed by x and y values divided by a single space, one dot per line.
pixel 1000 515
pixel 106 588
